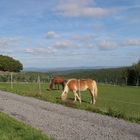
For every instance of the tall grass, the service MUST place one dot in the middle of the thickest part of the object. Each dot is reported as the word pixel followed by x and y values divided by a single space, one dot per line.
pixel 11 129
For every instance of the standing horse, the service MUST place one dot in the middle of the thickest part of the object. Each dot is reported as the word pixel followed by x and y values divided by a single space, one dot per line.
pixel 58 80
pixel 75 85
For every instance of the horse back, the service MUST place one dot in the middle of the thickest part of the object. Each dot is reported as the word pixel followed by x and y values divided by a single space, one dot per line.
pixel 72 84
pixel 90 84
pixel 58 80
pixel 82 85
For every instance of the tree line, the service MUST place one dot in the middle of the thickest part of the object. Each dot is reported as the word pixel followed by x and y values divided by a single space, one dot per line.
pixel 25 77
pixel 117 76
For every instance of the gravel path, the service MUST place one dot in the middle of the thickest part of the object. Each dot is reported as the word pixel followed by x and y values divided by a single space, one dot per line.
pixel 65 123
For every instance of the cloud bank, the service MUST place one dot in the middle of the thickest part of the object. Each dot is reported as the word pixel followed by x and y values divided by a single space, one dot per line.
pixel 82 8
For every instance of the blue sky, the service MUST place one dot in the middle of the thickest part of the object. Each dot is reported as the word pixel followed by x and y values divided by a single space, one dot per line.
pixel 70 33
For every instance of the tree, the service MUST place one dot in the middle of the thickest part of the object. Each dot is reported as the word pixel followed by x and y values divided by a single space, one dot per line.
pixel 10 64
pixel 125 74
pixel 137 71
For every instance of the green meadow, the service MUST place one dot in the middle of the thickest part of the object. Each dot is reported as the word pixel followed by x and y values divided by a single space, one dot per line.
pixel 117 101
pixel 11 129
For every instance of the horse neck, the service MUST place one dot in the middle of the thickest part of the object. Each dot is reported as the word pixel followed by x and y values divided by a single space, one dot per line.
pixel 66 89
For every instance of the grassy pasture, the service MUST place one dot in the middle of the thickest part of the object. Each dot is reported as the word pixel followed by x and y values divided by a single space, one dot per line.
pixel 116 101
pixel 11 129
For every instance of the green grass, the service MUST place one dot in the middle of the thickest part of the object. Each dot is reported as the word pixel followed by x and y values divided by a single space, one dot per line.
pixel 116 101
pixel 11 129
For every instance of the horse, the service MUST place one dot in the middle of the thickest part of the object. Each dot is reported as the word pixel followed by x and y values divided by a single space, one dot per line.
pixel 57 80
pixel 75 85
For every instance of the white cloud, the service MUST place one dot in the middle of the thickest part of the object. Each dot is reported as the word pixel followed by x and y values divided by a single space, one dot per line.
pixel 107 45
pixel 40 51
pixel 9 45
pixel 133 42
pixel 51 35
pixel 9 42
pixel 81 8
pixel 62 44
pixel 84 38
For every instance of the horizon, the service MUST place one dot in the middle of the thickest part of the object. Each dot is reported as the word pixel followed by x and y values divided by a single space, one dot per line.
pixel 45 69
pixel 71 33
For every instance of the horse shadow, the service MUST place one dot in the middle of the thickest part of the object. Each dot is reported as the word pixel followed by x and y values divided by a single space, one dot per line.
pixel 72 99
pixel 54 89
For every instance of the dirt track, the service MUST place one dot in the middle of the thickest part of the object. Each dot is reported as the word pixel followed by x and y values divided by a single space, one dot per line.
pixel 64 123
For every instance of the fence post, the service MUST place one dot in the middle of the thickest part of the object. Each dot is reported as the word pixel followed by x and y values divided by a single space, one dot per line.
pixel 39 85
pixel 11 80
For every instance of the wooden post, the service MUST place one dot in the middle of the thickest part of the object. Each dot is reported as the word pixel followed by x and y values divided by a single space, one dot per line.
pixel 11 80
pixel 39 85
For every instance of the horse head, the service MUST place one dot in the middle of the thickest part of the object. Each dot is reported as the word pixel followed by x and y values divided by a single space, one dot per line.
pixel 64 93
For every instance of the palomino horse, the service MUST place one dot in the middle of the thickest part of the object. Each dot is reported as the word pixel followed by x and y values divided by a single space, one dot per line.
pixel 75 85
pixel 57 80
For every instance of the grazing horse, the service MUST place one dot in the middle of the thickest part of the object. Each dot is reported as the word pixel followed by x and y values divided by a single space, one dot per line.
pixel 75 85
pixel 57 80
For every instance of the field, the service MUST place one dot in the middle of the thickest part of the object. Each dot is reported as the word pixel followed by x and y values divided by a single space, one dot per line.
pixel 117 101
pixel 11 129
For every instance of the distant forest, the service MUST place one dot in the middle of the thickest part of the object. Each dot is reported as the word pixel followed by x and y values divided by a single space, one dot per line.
pixel 116 76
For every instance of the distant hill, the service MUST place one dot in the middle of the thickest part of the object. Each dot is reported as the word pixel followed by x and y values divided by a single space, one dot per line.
pixel 57 69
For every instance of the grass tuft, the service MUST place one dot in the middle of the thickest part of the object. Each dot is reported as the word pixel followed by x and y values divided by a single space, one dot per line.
pixel 67 103
pixel 11 129
pixel 115 113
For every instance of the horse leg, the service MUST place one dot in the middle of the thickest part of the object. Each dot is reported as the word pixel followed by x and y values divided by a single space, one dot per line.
pixel 93 100
pixel 55 86
pixel 63 86
pixel 77 96
pixel 58 86
pixel 75 99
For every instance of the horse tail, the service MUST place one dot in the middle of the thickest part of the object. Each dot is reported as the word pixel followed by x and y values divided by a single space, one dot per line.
pixel 95 88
